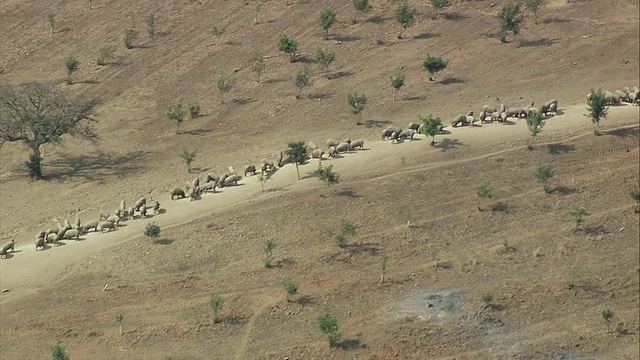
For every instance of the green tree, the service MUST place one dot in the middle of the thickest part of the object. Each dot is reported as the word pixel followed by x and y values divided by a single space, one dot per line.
pixel 405 16
pixel 151 24
pixel 288 46
pixel 326 19
pixel 397 82
pixel 324 58
pixel 543 174
pixel 439 5
pixel 224 85
pixel 431 126
pixel 327 175
pixel 534 6
pixel 59 353
pixel 357 103
pixel 258 65
pixel 105 54
pixel 433 65
pixel 510 19
pixel 597 107
pixel 535 123
pixel 152 231
pixel 269 246
pixel 361 6
pixel 297 154
pixel 130 34
pixel 384 268
pixel 176 114
pixel 578 216
pixel 37 115
pixel 290 286
pixel 120 319
pixel 72 65
pixel 328 325
pixel 51 19
pixel 188 157
pixel 302 79
pixel 216 303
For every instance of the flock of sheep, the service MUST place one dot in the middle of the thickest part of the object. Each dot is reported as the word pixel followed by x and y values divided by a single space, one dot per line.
pixel 105 221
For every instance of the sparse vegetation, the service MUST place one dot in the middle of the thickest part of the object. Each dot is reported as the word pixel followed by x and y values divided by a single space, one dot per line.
pixel 534 6
pixel 255 17
pixel 607 315
pixel 326 19
pixel 433 65
pixel 188 157
pixel 357 103
pixel 484 191
pixel 302 79
pixel 288 46
pixel 535 123
pixel 405 16
pixel 51 19
pixel 346 229
pixel 290 287
pixel 510 19
pixel 224 85
pixel 543 174
pixel 324 58
pixel 431 126
pixel 22 119
pixel 269 247
pixel 397 82
pixel 439 5
pixel 194 111
pixel 216 303
pixel 105 54
pixel 575 277
pixel 218 31
pixel 130 34
pixel 258 66
pixel 362 7
pixel 487 298
pixel 578 216
pixel 176 114
pixel 327 175
pixel 72 65
pixel 120 319
pixel 384 268
pixel 297 154
pixel 59 353
pixel 151 24
pixel 597 108
pixel 328 325
pixel 152 231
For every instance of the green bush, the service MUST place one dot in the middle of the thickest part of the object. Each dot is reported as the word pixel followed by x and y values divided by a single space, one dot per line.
pixel 302 79
pixel 216 303
pixel 328 325
pixel 130 34
pixel 433 65
pixel 288 45
pixel 105 54
pixel 152 231
pixel 290 286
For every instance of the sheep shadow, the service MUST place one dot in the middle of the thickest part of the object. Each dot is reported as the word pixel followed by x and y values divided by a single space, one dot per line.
pixel 163 242
pixel 273 81
pixel 624 132
pixel 347 193
pixel 454 16
pixel 539 42
pixel 449 144
pixel 96 167
pixel 321 96
pixel 371 123
pixel 196 132
pixel 305 59
pixel 351 344
pixel 426 35
pixel 339 74
pixel 306 301
pixel 557 149
pixel 348 38
pixel 452 80
pixel 243 101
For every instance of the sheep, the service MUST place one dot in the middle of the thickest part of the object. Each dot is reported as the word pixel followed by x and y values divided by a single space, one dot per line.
pixel 250 169
pixel 41 234
pixel 626 90
pixel 386 134
pixel 332 142
pixel 114 219
pixel 156 207
pixel 61 232
pixel 39 243
pixel 266 166
pixel 232 179
pixel 120 214
pixel 90 225
pixel 312 146
pixel 394 136
pixel 394 128
pixel 633 97
pixel 488 109
pixel 317 154
pixel 552 101
pixel 611 98
pixel 622 95
pixel 210 186
pixel 140 203
pixel 279 159
pixel 67 224
pixel 634 89
pixel 77 223
pixel 514 112
pixel 131 213
pixel 459 120
pixel 359 143
pixel 469 119
pixel 533 110
pixel 482 116
pixel 143 213
pixel 195 183
pixel 52 239
pixel 232 171
pixel 122 207
pixel 543 109
pixel 406 134
pixel 103 215
pixel 502 109
pixel 6 247
pixel 503 117
pixel 222 180
pixel 72 234
pixel 51 231
pixel 553 109
pixel 106 225
pixel 342 147
pixel 469 113
pixel 331 152
pixel 210 177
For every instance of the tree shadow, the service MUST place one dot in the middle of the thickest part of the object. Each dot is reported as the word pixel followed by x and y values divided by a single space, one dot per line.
pixel 272 81
pixel 243 101
pixel 234 320
pixel 306 301
pixel 359 248
pixel 163 242
pixel 502 207
pixel 557 149
pixel 321 96
pixel 596 230
pixel 564 190
pixel 371 123
pixel 305 59
pixel 348 38
pixel 196 132
pixel 448 144
pixel 452 80
pixel 338 74
pixel 284 262
pixel 426 35
pixel 89 82
pixel 539 42
pixel 414 97
pixel 377 19
pixel 351 344
pixel 555 20
pixel 454 16
pixel 624 132
pixel 346 192
pixel 96 167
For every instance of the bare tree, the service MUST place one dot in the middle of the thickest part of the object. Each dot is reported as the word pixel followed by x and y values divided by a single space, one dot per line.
pixel 36 115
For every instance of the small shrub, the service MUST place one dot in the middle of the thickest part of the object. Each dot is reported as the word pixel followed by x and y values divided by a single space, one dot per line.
pixel 535 123
pixel 269 247
pixel 51 19
pixel 130 34
pixel 188 157
pixel 152 231
pixel 183 266
pixel 224 85
pixel 328 325
pixel 59 353
pixel 324 58
pixel 396 83
pixel 194 111
pixel 607 315
pixel 357 103
pixel 176 114
pixel 72 65
pixel 105 54
pixel 578 216
pixel 327 175
pixel 120 319
pixel 439 5
pixel 290 286
pixel 216 31
pixel 258 66
pixel 597 107
pixel 433 65
pixel 487 298
pixel 534 6
pixel 216 303
pixel 484 192
pixel 543 174
pixel 151 24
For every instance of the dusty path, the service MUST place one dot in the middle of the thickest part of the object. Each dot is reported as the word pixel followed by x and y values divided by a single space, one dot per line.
pixel 27 271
